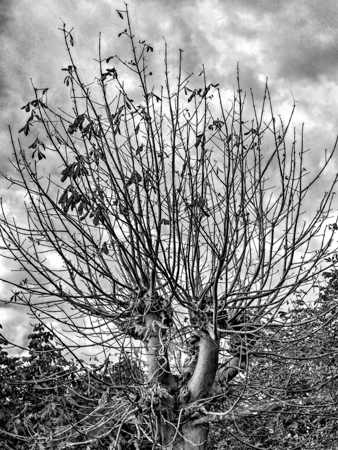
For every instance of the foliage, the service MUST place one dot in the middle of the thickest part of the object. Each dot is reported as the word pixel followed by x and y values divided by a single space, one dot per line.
pixel 47 400
pixel 39 392
pixel 297 367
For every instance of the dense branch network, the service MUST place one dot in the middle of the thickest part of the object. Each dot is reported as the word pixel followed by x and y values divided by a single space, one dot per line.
pixel 175 226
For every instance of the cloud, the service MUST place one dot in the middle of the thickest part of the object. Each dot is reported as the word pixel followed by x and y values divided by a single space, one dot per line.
pixel 15 328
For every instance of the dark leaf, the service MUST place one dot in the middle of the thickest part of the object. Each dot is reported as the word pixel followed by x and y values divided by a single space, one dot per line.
pixel 207 89
pixel 120 15
pixel 109 58
pixel 137 129
pixel 64 198
pixel 135 178
pixel 139 149
pixel 14 296
pixel 96 219
pixel 79 121
pixel 76 172
pixel 218 124
pixel 122 32
pixel 105 248
pixel 41 155
pixel 25 129
pixel 198 140
pixel 147 117
pixel 80 209
pixel 192 96
pixel 66 173
pixel 35 144
pixel 68 69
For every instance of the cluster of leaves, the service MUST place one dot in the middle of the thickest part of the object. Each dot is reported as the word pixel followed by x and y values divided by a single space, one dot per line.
pixel 39 393
pixel 34 116
pixel 297 365
pixel 31 390
pixel 46 400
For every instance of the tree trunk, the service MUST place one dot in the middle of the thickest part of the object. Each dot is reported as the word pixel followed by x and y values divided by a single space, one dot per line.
pixel 159 371
pixel 201 384
pixel 190 437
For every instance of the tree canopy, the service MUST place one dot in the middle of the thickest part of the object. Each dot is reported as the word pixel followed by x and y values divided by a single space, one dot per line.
pixel 168 231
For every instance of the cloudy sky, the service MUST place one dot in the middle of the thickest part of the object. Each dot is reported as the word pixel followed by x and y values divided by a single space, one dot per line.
pixel 292 43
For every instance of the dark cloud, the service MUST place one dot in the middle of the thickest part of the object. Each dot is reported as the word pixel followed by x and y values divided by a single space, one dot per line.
pixel 6 22
pixel 296 40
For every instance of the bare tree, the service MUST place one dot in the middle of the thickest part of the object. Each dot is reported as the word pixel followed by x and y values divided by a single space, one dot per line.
pixel 177 236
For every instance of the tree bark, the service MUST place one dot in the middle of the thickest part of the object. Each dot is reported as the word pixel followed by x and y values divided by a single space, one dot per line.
pixel 159 371
pixel 201 384
pixel 191 436
pixel 188 436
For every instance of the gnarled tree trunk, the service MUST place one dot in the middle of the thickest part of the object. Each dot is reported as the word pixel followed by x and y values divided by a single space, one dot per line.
pixel 177 417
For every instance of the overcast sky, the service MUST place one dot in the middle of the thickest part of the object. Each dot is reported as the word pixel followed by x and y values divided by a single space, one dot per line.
pixel 292 43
